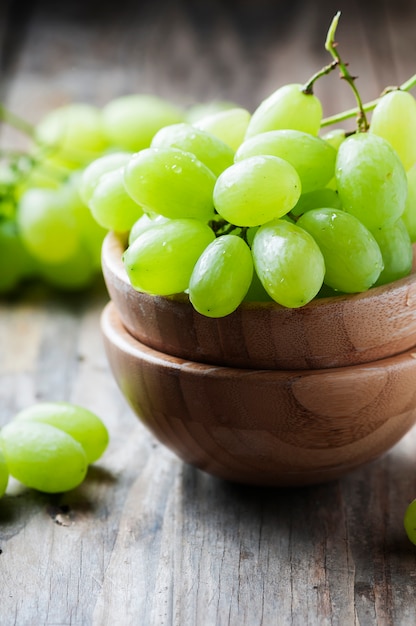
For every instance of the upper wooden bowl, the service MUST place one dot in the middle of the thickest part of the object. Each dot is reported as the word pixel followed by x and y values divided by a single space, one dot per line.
pixel 267 427
pixel 327 332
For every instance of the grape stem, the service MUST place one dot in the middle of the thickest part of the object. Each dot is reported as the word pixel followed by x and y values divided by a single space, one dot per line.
pixel 368 106
pixel 327 69
pixel 17 122
pixel 331 47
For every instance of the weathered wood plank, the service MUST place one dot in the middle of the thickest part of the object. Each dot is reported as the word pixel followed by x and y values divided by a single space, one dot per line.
pixel 146 540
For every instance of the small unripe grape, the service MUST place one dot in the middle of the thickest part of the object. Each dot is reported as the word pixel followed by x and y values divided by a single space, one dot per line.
pixel 83 425
pixel 43 457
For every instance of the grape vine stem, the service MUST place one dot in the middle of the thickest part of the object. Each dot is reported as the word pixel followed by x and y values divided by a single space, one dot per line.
pixel 368 106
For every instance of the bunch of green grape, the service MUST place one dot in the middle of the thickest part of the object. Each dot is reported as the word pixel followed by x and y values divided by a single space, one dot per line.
pixel 50 445
pixel 265 206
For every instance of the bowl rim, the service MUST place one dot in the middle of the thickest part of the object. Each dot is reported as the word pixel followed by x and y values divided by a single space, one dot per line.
pixel 117 241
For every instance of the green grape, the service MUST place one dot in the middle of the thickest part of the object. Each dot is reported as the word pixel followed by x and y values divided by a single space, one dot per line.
pixel 287 107
pixel 210 150
pixel 144 223
pixel 334 137
pixel 13 257
pixel 256 292
pixel 75 273
pixel 312 157
pixel 397 252
pixel 80 423
pixel 371 180
pixel 288 263
pixel 316 200
pixel 47 229
pixel 409 521
pixel 74 133
pixel 256 190
pixel 43 457
pixel 230 126
pixel 353 259
pixel 93 172
pixel 4 474
pixel 409 213
pixel 394 119
pixel 171 182
pixel 198 111
pixel 131 121
pixel 221 276
pixel 160 261
pixel 110 204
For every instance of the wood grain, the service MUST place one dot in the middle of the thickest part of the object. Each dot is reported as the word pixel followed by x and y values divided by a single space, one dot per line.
pixel 148 540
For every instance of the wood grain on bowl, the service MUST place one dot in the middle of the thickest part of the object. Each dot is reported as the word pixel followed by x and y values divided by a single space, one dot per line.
pixel 269 427
pixel 328 332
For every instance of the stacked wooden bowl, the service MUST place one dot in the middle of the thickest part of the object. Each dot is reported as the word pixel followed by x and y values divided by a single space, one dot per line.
pixel 266 395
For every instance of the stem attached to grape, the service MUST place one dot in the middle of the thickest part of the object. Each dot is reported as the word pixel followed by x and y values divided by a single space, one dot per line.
pixel 368 106
pixel 331 47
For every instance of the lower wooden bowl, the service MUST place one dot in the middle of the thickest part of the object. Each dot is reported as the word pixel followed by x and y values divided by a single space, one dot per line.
pixel 265 427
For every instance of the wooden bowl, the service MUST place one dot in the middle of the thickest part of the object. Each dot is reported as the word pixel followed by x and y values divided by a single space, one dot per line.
pixel 328 332
pixel 265 427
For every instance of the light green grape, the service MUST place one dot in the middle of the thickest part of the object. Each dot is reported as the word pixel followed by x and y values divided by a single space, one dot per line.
pixel 256 292
pixel 75 134
pixel 287 107
pixel 47 229
pixel 230 126
pixel 334 137
pixel 144 223
pixel 93 172
pixel 371 180
pixel 43 457
pixel 161 260
pixel 110 204
pixel 353 260
pixel 76 273
pixel 4 474
pixel 210 150
pixel 256 190
pixel 394 119
pixel 312 157
pixel 83 425
pixel 171 182
pixel 396 250
pixel 221 276
pixel 288 263
pixel 409 213
pixel 13 257
pixel 316 200
pixel 409 521
pixel 131 121
pixel 198 111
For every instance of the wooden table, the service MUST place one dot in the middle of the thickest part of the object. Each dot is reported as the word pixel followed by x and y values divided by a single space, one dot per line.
pixel 147 540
